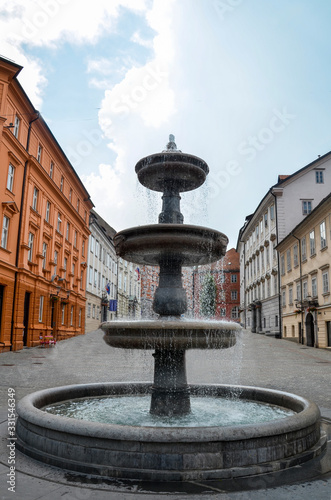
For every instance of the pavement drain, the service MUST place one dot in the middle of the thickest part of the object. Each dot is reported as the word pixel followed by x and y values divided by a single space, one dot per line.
pixel 7 364
pixel 36 363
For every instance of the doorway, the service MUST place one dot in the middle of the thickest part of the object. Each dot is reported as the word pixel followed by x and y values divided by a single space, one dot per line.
pixel 310 330
pixel 328 332
pixel 2 288
pixel 26 317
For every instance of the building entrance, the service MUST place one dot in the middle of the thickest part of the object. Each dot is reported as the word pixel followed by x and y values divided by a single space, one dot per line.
pixel 26 317
pixel 310 330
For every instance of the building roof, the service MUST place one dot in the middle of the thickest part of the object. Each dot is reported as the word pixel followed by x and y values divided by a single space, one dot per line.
pixel 106 228
pixel 282 179
pixel 11 65
pixel 306 219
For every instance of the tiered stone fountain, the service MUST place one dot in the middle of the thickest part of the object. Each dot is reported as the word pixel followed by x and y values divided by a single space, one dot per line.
pixel 169 453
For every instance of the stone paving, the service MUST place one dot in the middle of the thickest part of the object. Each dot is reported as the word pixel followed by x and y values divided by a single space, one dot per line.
pixel 255 360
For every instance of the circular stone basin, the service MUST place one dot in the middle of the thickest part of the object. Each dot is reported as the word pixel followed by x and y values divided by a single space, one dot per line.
pixel 163 453
pixel 190 245
pixel 183 172
pixel 180 334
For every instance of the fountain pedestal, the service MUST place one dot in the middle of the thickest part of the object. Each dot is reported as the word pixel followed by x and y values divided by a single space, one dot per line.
pixel 170 392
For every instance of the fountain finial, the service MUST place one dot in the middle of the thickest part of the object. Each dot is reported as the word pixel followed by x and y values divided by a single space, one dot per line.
pixel 171 146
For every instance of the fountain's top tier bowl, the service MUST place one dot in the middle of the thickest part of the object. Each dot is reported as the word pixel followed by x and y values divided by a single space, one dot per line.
pixel 173 170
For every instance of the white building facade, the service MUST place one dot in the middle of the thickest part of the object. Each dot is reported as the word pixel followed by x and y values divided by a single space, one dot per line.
pixel 101 279
pixel 283 207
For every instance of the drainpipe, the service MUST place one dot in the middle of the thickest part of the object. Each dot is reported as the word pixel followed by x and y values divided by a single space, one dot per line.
pixel 299 245
pixel 245 313
pixel 20 229
pixel 279 302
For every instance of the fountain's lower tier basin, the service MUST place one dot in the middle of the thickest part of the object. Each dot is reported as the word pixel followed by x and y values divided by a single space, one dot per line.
pixel 159 334
pixel 163 453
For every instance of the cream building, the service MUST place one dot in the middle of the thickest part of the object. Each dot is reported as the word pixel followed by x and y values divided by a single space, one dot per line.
pixel 305 258
pixel 282 208
pixel 129 290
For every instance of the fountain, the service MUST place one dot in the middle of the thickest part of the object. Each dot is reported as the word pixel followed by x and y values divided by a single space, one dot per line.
pixel 169 453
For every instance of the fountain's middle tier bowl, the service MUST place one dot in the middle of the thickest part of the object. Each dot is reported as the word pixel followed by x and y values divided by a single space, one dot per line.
pixel 170 334
pixel 190 245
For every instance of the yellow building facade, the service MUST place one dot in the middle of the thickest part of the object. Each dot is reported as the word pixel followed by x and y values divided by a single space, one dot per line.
pixel 305 259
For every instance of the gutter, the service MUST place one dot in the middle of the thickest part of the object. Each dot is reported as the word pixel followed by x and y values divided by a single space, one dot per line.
pixel 279 297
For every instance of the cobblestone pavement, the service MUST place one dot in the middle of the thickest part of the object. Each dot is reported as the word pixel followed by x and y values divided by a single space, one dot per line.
pixel 255 360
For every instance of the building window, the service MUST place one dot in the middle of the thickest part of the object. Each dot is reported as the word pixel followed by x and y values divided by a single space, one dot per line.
pixel 77 204
pixel 306 207
pixel 222 278
pixel 48 209
pixel 96 248
pixel 95 277
pixel 83 248
pixel 63 313
pixel 304 290
pixel 92 244
pixel 82 280
pixel 4 232
pixel 312 242
pixel 266 219
pixel 290 296
pixel 234 295
pixel 70 195
pixel 80 318
pixel 303 249
pixel 41 307
pixel 235 313
pixel 51 170
pixel 295 255
pixel 35 198
pixel 55 261
pixel 73 269
pixel 93 311
pixel 288 260
pixel 233 278
pixel 58 227
pixel 314 287
pixel 282 265
pixel 319 176
pixel 30 245
pixel 323 234
pixel 16 126
pixel 325 281
pixel 261 226
pixel 276 320
pixel 71 315
pixel 75 239
pixel 68 231
pixel 90 275
pixel 223 312
pixel 39 153
pixel 100 252
pixel 283 298
pixel 61 184
pixel 99 280
pixel 10 177
pixel 88 310
pixel 298 291
pixel 65 263
pixel 44 254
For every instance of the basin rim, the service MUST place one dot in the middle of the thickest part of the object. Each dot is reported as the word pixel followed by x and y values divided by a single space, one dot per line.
pixel 29 410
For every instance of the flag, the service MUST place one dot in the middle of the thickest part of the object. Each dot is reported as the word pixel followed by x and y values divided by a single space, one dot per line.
pixel 113 305
pixel 138 273
pixel 108 288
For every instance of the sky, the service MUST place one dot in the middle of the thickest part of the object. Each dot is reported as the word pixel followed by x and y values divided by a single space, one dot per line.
pixel 243 84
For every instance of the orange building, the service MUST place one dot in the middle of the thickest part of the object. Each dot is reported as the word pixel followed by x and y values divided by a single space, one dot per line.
pixel 44 217
pixel 226 272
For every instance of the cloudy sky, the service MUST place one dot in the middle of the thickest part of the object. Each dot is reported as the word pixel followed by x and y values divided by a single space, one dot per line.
pixel 244 84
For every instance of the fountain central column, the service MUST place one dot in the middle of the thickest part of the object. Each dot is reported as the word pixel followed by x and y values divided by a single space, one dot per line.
pixel 170 392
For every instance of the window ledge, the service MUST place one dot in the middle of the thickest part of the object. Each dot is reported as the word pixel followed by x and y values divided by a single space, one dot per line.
pixel 5 250
pixel 324 248
pixel 313 255
pixel 326 294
